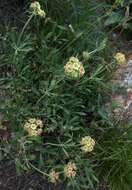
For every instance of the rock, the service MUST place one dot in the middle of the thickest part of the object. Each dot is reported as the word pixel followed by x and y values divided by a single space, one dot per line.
pixel 122 97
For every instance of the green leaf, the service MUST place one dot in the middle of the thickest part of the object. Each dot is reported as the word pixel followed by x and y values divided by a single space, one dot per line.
pixel 114 17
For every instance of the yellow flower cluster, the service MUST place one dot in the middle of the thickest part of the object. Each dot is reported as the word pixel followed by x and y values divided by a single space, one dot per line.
pixel 34 127
pixel 87 144
pixel 120 58
pixel 53 176
pixel 70 169
pixel 36 9
pixel 74 68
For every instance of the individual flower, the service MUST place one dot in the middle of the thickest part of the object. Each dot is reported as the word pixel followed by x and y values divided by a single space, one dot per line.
pixel 53 176
pixel 120 58
pixel 36 9
pixel 34 127
pixel 32 120
pixel 87 144
pixel 39 122
pixel 70 169
pixel 74 68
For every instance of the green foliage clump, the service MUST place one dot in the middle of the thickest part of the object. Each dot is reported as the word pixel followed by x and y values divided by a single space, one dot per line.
pixel 119 14
pixel 114 157
pixel 37 90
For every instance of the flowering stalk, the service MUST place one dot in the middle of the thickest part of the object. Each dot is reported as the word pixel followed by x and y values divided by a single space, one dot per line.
pixel 61 145
pixel 38 170
pixel 23 30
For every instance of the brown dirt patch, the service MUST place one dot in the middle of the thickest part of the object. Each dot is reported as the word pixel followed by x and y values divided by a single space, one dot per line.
pixel 9 180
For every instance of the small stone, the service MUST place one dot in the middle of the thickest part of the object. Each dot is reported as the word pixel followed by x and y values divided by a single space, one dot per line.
pixel 30 188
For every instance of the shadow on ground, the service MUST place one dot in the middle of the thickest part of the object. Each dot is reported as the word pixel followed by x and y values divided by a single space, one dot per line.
pixel 12 12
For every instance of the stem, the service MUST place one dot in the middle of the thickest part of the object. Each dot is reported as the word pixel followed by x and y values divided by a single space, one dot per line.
pixel 38 170
pixel 61 145
pixel 20 36
pixel 23 30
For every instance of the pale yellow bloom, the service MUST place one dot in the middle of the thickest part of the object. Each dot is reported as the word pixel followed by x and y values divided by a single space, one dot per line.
pixel 39 123
pixel 35 5
pixel 70 169
pixel 32 120
pixel 87 144
pixel 53 176
pixel 36 9
pixel 34 127
pixel 74 68
pixel 26 126
pixel 32 132
pixel 120 58
pixel 41 13
pixel 73 60
pixel 39 131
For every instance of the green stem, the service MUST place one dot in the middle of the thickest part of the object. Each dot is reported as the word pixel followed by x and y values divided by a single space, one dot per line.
pixel 23 30
pixel 20 36
pixel 61 145
pixel 38 170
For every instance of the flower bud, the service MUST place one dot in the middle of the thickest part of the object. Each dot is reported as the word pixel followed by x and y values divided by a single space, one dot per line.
pixel 120 58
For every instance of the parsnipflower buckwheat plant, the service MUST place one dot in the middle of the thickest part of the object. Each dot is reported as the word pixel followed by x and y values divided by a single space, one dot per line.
pixel 70 169
pixel 34 127
pixel 87 144
pixel 120 58
pixel 74 68
pixel 53 176
pixel 36 9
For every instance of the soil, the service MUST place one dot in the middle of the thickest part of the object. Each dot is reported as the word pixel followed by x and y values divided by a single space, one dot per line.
pixel 9 180
pixel 12 12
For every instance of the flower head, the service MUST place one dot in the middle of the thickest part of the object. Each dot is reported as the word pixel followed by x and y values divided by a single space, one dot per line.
pixel 34 127
pixel 120 58
pixel 36 9
pixel 70 169
pixel 74 68
pixel 53 176
pixel 87 144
